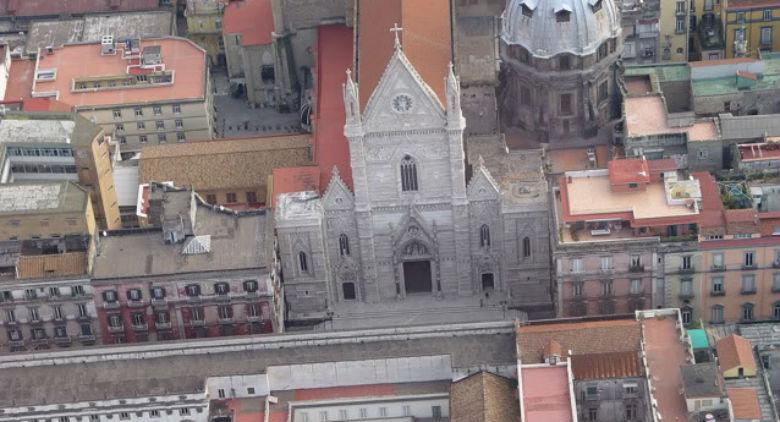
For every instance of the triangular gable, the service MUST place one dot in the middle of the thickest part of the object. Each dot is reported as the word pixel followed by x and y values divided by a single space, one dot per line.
pixel 337 196
pixel 400 78
pixel 482 187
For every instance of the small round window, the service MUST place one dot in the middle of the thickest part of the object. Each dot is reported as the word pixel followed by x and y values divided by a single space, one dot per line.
pixel 402 103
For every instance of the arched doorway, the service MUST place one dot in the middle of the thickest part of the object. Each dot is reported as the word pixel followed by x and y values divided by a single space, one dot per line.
pixel 417 272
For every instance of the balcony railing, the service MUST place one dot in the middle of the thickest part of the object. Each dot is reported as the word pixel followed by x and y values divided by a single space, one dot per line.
pixel 686 270
pixel 636 269
pixel 749 266
pixel 141 327
pixel 748 291
pixel 64 340
pixel 157 303
pixel 717 293
pixel 686 295
pixel 197 323
pixel 86 337
pixel 226 320
pixel 116 328
pixel 111 305
pixel 45 341
pixel 718 267
pixel 162 325
pixel 135 303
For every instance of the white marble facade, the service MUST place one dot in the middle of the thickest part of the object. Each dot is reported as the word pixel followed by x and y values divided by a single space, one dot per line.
pixel 412 226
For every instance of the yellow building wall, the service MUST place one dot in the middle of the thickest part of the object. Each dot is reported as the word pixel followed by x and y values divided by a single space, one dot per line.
pixel 753 23
pixel 734 372
pixel 673 44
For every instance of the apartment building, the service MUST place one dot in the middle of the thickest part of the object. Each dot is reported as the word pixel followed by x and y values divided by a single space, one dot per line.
pixel 613 226
pixel 204 27
pixel 706 30
pixel 47 231
pixel 200 271
pixel 750 27
pixel 674 26
pixel 140 91
pixel 731 276
pixel 37 146
pixel 230 172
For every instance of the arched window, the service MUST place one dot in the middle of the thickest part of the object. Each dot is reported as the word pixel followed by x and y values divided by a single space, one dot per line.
pixel 747 312
pixel 303 262
pixel 686 313
pixel 776 310
pixel 484 236
pixel 716 314
pixel 408 174
pixel 526 247
pixel 344 245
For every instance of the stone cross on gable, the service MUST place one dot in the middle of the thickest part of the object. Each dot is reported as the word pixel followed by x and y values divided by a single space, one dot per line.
pixel 395 30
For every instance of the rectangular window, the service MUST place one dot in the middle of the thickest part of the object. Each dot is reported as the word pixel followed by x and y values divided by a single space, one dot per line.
pixel 717 285
pixel 141 125
pixel 576 265
pixel 143 139
pixel 680 7
pixel 748 284
pixel 138 111
pixel 606 287
pixel 776 282
pixel 117 113
pixel 31 294
pixel 159 125
pixel 57 311
pixel 82 310
pixel 577 288
pixel 221 393
pixel 566 106
pixel 766 36
pixel 176 108
pixel 184 411
pixel 748 259
pixel 740 17
pixel 10 315
pixel 179 123
pixel 606 263
pixel 636 286
pixel 161 138
pixel 679 26
pixel 717 261
pixel 124 415
pixel 686 287
pixel 251 197
pixel 119 127
pixel 157 110
pixel 211 199
pixel 436 412
pixel 767 14
pixel 686 262
pixel 231 197
pixel 180 137
pixel 603 91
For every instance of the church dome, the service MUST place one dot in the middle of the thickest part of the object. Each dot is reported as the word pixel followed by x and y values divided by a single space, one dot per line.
pixel 549 27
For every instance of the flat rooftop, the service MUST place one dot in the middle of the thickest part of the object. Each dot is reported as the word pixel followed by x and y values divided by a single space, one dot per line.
pixel 148 374
pixel 768 80
pixel 38 198
pixel 647 116
pixel 665 355
pixel 76 61
pixel 591 196
pixel 760 151
pixel 546 396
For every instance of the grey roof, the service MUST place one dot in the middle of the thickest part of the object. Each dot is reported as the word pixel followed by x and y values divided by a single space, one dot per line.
pixel 749 127
pixel 126 183
pixel 47 128
pixel 543 36
pixel 702 380
pixel 90 29
pixel 42 198
pixel 237 242
pixel 181 374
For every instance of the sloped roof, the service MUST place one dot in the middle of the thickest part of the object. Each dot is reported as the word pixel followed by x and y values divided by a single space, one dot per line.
pixel 73 7
pixel 744 127
pixel 745 403
pixel 702 380
pixel 484 397
pixel 223 163
pixel 425 38
pixel 607 344
pixel 735 351
pixel 253 19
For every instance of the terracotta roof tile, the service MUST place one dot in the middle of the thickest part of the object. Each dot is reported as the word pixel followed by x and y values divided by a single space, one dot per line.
pixel 253 19
pixel 48 266
pixel 579 337
pixel 20 79
pixel 745 403
pixel 735 351
pixel 606 365
pixel 630 170
pixel 73 61
pixel 748 215
pixel 295 179
pixel 223 163
pixel 425 39
pixel 484 397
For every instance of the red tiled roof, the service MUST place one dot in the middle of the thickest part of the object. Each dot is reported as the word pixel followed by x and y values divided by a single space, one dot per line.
pixel 20 79
pixel 745 403
pixel 606 365
pixel 664 164
pixel 345 392
pixel 295 179
pixel 334 57
pixel 253 19
pixel 711 213
pixel 425 38
pixel 631 170
pixel 64 7
pixel 735 351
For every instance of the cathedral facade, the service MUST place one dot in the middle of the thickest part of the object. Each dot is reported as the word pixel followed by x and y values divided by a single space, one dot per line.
pixel 413 225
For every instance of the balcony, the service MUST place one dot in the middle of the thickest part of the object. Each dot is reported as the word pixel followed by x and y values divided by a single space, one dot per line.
pixel 84 317
pixel 159 303
pixel 686 295
pixel 749 267
pixel 198 323
pixel 718 293
pixel 111 305
pixel 718 268
pixel 636 269
pixel 748 291
pixel 686 270
pixel 222 298
pixel 116 328
pixel 141 327
pixel 226 320
pixel 62 341
pixel 41 342
pixel 86 338
pixel 136 303
pixel 162 325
